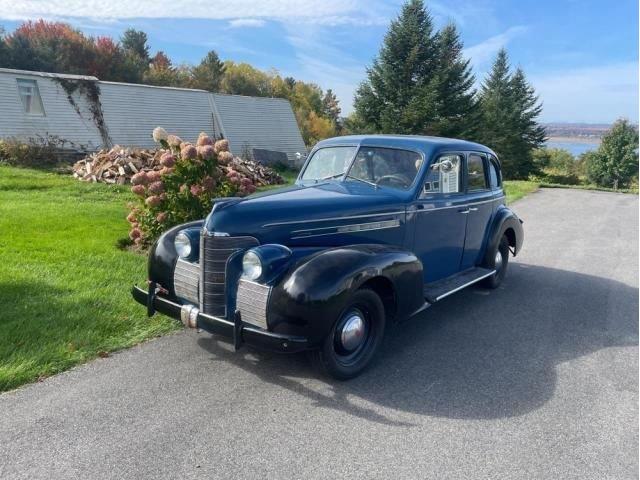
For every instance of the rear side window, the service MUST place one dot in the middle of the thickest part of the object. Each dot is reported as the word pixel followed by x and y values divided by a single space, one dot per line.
pixel 494 174
pixel 476 178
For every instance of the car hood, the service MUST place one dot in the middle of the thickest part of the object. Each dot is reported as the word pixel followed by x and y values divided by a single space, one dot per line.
pixel 276 216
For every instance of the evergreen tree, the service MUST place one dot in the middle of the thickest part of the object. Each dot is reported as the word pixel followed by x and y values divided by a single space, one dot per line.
pixel 4 50
pixel 331 107
pixel 135 42
pixel 399 94
pixel 509 108
pixel 615 163
pixel 208 75
pixel 457 106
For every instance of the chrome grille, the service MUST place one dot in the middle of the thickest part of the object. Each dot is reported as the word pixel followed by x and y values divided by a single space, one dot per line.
pixel 186 278
pixel 214 254
pixel 252 302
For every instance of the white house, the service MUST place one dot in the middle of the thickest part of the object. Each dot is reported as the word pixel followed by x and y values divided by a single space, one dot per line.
pixel 89 114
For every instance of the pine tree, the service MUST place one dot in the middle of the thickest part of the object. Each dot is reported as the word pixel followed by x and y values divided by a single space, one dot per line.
pixel 399 95
pixel 331 107
pixel 208 75
pixel 135 42
pixel 457 105
pixel 509 108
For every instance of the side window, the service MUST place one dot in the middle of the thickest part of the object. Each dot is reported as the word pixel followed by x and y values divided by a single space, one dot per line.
pixel 476 178
pixel 443 176
pixel 30 97
pixel 494 174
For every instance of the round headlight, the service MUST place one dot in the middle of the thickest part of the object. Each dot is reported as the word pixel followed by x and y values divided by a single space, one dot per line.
pixel 182 244
pixel 251 265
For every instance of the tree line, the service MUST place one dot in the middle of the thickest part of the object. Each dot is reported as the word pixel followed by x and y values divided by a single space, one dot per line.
pixel 59 48
pixel 420 83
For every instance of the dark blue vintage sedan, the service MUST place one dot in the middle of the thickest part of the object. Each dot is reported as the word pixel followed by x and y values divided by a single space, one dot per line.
pixel 376 229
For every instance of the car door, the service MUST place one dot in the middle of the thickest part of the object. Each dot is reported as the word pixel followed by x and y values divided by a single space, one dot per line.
pixel 480 200
pixel 440 217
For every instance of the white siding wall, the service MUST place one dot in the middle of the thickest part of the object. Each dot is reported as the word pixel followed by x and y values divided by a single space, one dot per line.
pixel 60 118
pixel 258 122
pixel 131 112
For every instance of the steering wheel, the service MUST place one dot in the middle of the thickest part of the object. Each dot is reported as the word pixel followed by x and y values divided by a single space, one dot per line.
pixel 395 178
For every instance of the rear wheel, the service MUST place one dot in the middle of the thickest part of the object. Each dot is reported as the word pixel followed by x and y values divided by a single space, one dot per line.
pixel 354 338
pixel 497 260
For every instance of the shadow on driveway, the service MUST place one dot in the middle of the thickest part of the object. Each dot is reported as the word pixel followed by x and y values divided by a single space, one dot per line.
pixel 476 355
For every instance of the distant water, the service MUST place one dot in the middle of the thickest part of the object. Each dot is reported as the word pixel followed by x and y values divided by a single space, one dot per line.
pixel 576 148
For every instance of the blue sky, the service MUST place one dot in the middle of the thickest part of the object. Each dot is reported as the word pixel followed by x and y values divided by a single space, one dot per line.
pixel 580 55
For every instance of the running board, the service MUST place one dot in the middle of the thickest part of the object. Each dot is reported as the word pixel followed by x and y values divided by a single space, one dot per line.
pixel 443 288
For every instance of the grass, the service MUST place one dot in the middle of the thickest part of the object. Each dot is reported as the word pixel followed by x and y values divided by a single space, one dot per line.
pixel 516 189
pixel 64 286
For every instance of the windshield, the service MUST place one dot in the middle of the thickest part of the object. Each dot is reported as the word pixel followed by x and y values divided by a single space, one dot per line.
pixel 386 166
pixel 330 162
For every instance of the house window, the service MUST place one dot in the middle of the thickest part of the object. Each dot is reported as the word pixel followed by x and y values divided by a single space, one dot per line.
pixel 30 97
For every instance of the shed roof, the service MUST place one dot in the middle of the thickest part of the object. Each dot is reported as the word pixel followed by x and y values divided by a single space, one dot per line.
pixel 47 74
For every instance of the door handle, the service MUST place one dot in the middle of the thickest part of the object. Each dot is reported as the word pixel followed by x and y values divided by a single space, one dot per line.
pixel 473 209
pixel 465 211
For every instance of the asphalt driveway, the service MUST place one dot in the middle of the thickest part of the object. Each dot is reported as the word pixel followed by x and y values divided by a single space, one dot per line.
pixel 538 379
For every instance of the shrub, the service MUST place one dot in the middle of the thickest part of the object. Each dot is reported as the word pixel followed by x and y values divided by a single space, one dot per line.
pixel 182 191
pixel 32 152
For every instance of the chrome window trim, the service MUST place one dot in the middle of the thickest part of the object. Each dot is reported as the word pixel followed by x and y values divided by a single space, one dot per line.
pixel 426 210
pixel 346 229
pixel 331 219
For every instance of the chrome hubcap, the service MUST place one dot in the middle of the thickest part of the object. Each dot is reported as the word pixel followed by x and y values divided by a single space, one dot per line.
pixel 498 261
pixel 352 333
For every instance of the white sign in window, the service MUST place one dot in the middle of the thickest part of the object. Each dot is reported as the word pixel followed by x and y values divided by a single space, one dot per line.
pixel 30 96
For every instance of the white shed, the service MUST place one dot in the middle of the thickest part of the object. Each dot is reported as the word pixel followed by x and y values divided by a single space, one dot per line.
pixel 88 114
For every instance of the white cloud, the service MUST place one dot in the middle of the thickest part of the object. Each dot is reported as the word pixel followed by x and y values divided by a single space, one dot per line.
pixel 246 22
pixel 482 53
pixel 307 10
pixel 594 95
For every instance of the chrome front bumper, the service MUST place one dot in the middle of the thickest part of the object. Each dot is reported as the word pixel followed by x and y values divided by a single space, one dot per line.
pixel 237 330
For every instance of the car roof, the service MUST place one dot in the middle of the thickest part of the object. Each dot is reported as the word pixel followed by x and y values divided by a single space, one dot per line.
pixel 426 144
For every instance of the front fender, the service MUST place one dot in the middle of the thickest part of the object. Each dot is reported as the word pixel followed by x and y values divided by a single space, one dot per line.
pixel 163 256
pixel 505 221
pixel 312 294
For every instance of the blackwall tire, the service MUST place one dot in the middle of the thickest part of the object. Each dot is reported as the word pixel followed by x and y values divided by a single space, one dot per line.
pixel 498 260
pixel 342 363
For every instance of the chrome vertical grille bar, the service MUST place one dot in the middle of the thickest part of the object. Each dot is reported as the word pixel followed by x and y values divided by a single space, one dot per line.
pixel 214 254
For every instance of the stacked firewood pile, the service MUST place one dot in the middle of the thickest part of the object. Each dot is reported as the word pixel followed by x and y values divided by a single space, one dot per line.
pixel 119 164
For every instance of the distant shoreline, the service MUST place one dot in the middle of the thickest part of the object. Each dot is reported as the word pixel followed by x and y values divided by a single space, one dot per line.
pixel 590 140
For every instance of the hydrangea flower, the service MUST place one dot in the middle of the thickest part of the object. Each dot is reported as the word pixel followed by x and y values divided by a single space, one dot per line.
pixel 204 139
pixel 156 187
pixel 135 233
pixel 153 176
pixel 168 160
pixel 174 140
pixel 131 218
pixel 140 178
pixel 138 190
pixel 195 190
pixel 161 217
pixel 222 145
pixel 166 171
pixel 225 157
pixel 159 134
pixel 206 151
pixel 189 152
pixel 209 183
pixel 153 201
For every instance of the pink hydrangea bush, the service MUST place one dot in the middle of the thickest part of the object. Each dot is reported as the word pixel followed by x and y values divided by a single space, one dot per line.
pixel 191 176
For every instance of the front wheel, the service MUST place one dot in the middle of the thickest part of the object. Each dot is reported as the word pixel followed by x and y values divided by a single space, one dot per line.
pixel 497 260
pixel 354 338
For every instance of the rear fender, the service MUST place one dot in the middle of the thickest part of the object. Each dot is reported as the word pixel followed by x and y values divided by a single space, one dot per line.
pixel 505 220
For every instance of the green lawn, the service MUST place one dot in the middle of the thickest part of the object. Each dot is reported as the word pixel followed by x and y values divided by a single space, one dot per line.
pixel 64 286
pixel 516 189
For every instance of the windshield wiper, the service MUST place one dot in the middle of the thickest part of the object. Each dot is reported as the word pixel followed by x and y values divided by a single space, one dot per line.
pixel 328 177
pixel 373 184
